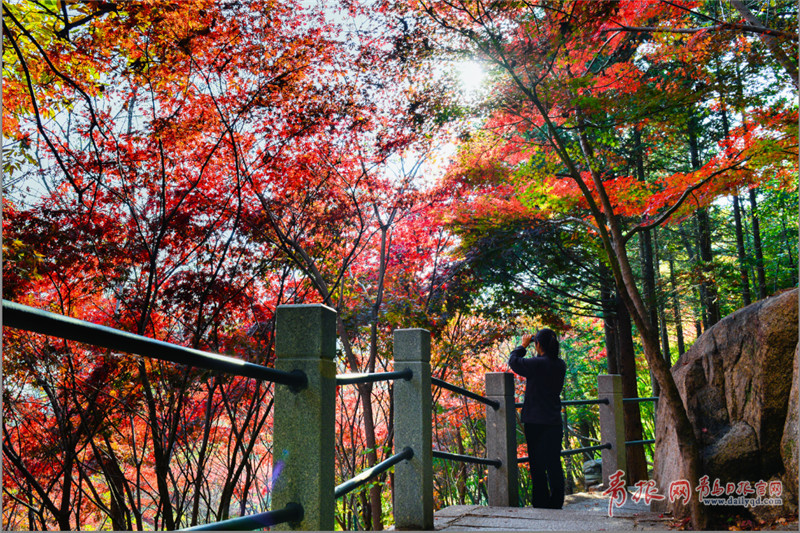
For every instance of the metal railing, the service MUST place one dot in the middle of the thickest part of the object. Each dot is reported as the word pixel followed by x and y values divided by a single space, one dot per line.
pixel 500 484
pixel 603 401
pixel 371 473
pixel 605 446
pixel 599 401
pixel 653 399
pixel 374 471
pixel 467 459
pixel 20 316
pixel 355 379
pixel 28 318
pixel 293 512
pixel 477 397
pixel 638 400
pixel 501 413
pixel 638 442
pixel 573 451
pixel 464 392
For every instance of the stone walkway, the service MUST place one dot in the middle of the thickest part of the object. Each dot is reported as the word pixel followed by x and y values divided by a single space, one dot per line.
pixel 581 512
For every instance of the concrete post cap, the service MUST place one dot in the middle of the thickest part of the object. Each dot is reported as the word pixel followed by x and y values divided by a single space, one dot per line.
pixel 609 384
pixel 412 345
pixel 305 331
pixel 499 383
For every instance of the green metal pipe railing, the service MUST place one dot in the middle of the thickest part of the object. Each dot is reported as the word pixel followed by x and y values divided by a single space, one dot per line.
pixel 293 512
pixel 637 400
pixel 638 442
pixel 565 403
pixel 464 392
pixel 352 379
pixel 373 472
pixel 36 320
pixel 466 459
pixel 564 453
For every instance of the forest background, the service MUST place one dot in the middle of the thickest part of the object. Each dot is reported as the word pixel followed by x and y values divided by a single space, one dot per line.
pixel 179 170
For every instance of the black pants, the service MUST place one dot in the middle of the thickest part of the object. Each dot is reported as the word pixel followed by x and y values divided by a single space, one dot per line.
pixel 547 475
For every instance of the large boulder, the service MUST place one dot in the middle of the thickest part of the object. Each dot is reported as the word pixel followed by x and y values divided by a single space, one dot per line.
pixel 736 381
pixel 789 449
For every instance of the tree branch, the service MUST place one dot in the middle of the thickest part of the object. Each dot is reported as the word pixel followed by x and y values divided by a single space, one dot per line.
pixel 666 214
pixel 717 27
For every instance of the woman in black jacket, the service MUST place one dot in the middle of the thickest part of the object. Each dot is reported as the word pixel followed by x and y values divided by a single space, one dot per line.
pixel 541 415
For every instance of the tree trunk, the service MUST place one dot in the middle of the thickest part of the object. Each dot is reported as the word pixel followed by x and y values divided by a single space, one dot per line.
pixel 646 245
pixel 201 456
pixel 649 286
pixel 708 288
pixel 159 453
pixel 376 509
pixel 461 473
pixel 587 432
pixel 609 319
pixel 66 491
pixel 701 318
pixel 760 276
pixel 614 244
pixel 661 314
pixel 708 285
pixel 676 310
pixel 748 241
pixel 740 252
pixel 569 484
pixel 637 464
pixel 646 252
pixel 737 219
pixel 365 396
pixel 787 241
pixel 369 430
pixel 687 444
pixel 614 241
pixel 762 280
pixel 375 502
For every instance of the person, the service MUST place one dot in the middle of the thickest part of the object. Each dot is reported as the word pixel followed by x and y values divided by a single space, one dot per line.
pixel 541 414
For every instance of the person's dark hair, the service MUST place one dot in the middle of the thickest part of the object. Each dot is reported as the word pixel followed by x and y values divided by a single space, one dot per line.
pixel 548 340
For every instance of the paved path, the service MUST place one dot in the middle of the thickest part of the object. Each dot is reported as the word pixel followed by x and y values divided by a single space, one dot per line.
pixel 586 511
pixel 581 512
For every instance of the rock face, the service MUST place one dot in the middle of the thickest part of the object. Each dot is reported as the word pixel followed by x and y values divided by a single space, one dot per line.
pixel 736 382
pixel 789 449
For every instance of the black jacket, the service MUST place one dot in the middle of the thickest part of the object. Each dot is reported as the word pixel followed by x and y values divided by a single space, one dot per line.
pixel 543 384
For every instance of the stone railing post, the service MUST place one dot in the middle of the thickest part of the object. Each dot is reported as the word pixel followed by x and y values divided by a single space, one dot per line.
pixel 413 479
pixel 303 435
pixel 612 425
pixel 501 440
